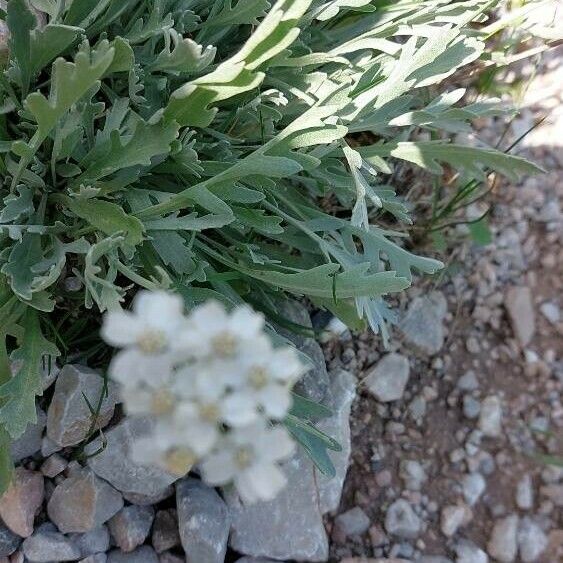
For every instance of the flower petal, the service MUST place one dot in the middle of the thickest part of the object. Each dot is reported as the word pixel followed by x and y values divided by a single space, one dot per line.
pixel 219 468
pixel 275 399
pixel 239 409
pixel 121 328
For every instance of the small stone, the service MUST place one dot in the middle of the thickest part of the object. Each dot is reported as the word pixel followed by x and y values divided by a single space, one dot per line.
pixel 353 522
pixel 468 552
pixel 471 407
pixel 525 493
pixel 165 533
pixel 169 557
pixel 412 473
pixel 29 443
pixel 490 418
pixel 83 502
pixel 9 541
pixel 131 526
pixel 503 542
pixel 54 465
pixel 422 325
pixel 520 308
pixel 554 493
pixel 92 542
pixel 453 517
pixel 203 521
pixel 402 521
pixel 468 381
pixel 45 547
pixel 388 379
pixel 115 466
pixel 531 540
pixel 21 501
pixel 551 312
pixel 143 554
pixel 69 418
pixel 473 486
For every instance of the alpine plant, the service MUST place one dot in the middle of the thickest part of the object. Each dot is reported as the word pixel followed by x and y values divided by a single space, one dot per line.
pixel 235 150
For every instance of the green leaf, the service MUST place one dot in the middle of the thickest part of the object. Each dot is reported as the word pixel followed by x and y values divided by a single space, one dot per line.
pixel 21 22
pixel 329 282
pixel 480 231
pixel 69 82
pixel 244 12
pixel 472 160
pixel 308 409
pixel 314 442
pixel 6 464
pixel 17 396
pixel 48 42
pixel 257 219
pixel 183 55
pixel 147 141
pixel 189 104
pixel 108 217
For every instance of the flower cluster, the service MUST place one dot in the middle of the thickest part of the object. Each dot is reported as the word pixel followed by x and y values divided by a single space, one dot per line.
pixel 214 385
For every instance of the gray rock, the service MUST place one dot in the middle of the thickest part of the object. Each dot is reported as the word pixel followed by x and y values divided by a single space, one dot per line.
pixel 92 542
pixel 402 521
pixel 255 560
pixel 130 527
pixel 473 485
pixel 96 558
pixel 387 381
pixel 165 533
pixel 315 383
pixel 468 552
pixel 9 541
pixel 525 493
pixel 143 554
pixel 21 501
pixel 115 466
pixel 262 529
pixel 203 521
pixel 353 522
pixel 520 308
pixel 471 407
pixel 169 557
pixel 434 559
pixel 54 465
pixel 532 541
pixel 413 474
pixel 49 447
pixel 503 542
pixel 340 396
pixel 44 547
pixel 468 381
pixel 422 325
pixel 29 443
pixel 453 518
pixel 69 417
pixel 149 500
pixel 490 417
pixel 83 502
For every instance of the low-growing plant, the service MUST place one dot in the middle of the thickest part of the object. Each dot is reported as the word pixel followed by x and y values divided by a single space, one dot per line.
pixel 236 151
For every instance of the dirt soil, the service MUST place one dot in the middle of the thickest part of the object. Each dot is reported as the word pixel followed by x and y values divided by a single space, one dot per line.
pixel 428 424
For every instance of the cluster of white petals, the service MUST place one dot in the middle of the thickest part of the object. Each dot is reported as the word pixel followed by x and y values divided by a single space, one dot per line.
pixel 213 383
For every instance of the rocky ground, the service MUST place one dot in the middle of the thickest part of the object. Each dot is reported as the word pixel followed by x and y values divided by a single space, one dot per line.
pixel 452 429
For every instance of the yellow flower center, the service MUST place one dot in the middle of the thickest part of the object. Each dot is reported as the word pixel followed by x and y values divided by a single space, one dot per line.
pixel 258 377
pixel 243 457
pixel 224 344
pixel 162 402
pixel 151 341
pixel 179 461
pixel 209 412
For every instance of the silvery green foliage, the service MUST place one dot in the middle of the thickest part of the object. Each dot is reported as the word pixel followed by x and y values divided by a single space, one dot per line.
pixel 187 144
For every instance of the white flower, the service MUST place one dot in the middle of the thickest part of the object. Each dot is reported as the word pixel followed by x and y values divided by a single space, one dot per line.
pixel 214 333
pixel 148 334
pixel 263 381
pixel 249 457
